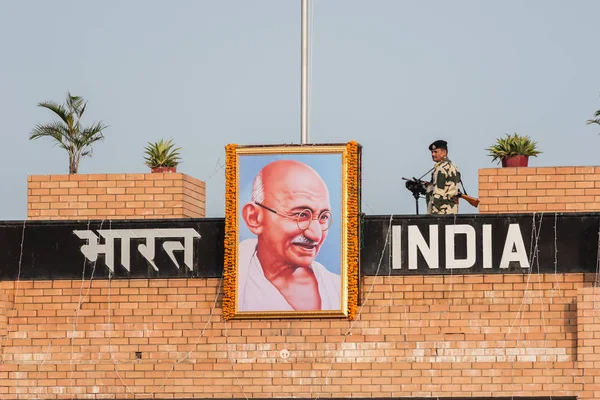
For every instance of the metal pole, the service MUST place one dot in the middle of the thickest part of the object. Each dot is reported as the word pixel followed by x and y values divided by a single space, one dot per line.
pixel 304 76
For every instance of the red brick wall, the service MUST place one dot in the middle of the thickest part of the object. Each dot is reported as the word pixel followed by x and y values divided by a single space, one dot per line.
pixel 510 190
pixel 492 335
pixel 5 305
pixel 115 196
pixel 462 335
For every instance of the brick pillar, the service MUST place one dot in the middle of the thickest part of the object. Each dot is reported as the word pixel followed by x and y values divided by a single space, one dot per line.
pixel 547 189
pixel 6 304
pixel 588 340
pixel 115 196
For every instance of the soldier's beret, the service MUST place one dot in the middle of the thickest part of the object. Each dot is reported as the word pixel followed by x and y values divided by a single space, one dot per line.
pixel 438 144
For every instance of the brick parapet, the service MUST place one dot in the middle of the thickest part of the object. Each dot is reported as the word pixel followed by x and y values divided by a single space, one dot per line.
pixel 542 189
pixel 6 305
pixel 588 327
pixel 465 335
pixel 115 196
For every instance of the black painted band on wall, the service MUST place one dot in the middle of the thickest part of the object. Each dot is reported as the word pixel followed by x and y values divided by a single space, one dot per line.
pixel 392 245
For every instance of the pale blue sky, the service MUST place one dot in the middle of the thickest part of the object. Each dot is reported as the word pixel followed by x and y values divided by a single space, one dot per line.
pixel 393 75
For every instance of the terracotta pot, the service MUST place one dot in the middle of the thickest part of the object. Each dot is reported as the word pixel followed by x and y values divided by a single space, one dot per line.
pixel 515 161
pixel 162 170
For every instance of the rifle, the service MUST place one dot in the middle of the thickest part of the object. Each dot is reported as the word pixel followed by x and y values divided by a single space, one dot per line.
pixel 417 186
pixel 471 200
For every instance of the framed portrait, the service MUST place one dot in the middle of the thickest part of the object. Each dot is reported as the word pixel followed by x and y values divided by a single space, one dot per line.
pixel 292 231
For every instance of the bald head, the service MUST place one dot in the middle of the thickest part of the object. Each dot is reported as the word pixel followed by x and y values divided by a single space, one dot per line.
pixel 284 180
pixel 288 236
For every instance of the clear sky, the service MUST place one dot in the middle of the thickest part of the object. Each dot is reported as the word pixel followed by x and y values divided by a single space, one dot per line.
pixel 393 75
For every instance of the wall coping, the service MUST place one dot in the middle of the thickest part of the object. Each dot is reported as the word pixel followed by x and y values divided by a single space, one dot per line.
pixel 556 169
pixel 111 176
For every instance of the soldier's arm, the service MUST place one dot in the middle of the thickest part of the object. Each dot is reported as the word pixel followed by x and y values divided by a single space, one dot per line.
pixel 428 187
pixel 439 189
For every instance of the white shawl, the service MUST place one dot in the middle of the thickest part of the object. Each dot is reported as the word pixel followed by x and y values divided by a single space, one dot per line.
pixel 256 293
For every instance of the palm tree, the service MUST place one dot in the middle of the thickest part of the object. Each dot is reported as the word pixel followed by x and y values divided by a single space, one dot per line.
pixel 594 121
pixel 67 132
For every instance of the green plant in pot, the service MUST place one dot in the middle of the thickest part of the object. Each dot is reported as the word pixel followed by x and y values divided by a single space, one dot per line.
pixel 513 150
pixel 162 156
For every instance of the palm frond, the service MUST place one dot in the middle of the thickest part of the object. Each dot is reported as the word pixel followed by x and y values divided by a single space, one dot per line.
pixel 80 113
pixel 594 121
pixel 90 135
pixel 74 102
pixel 94 130
pixel 56 109
pixel 54 130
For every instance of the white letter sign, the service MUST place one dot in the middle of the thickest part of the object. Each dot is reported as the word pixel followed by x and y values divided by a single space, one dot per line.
pixel 93 248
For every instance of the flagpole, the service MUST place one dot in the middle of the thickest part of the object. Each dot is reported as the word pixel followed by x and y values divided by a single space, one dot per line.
pixel 304 76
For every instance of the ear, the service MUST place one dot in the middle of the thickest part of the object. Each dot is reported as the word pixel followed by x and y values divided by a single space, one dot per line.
pixel 253 218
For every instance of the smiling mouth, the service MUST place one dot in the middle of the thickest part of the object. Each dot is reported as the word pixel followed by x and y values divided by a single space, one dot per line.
pixel 305 246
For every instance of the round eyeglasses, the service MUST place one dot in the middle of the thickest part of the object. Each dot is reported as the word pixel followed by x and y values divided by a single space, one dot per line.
pixel 304 218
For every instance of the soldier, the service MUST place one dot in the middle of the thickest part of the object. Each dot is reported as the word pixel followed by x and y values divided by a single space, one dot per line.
pixel 442 192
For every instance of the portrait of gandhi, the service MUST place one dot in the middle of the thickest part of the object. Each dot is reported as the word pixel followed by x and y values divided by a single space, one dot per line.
pixel 289 215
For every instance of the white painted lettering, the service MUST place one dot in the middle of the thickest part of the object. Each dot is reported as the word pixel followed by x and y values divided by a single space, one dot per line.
pixel 416 241
pixel 487 246
pixel 396 247
pixel 451 261
pixel 187 247
pixel 93 248
pixel 514 239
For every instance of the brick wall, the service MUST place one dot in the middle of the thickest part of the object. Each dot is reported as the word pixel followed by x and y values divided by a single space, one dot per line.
pixel 588 328
pixel 5 306
pixel 492 335
pixel 446 336
pixel 115 196
pixel 510 190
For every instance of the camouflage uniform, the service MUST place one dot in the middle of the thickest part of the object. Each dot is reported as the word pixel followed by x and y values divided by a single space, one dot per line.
pixel 442 192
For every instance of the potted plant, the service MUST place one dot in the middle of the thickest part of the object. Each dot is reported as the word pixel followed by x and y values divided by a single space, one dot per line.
pixel 513 150
pixel 68 132
pixel 162 157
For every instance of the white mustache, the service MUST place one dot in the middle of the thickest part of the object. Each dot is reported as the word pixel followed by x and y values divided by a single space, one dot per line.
pixel 304 240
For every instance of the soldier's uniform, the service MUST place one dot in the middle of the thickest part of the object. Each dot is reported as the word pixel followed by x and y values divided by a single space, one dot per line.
pixel 442 192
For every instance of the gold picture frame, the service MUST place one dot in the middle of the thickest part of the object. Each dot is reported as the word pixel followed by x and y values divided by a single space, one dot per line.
pixel 287 232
